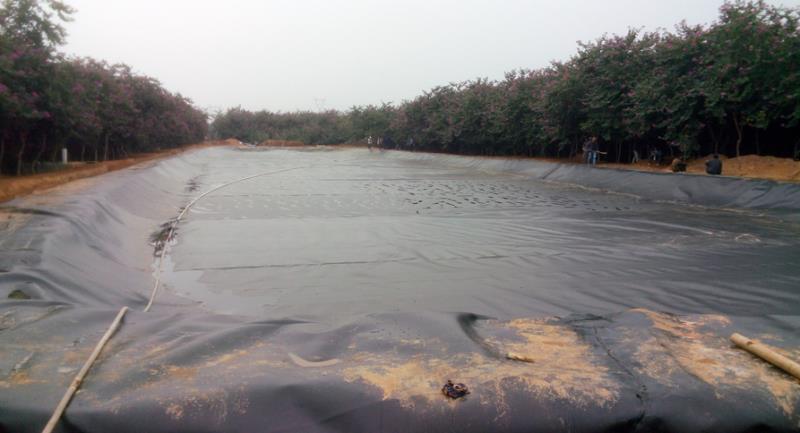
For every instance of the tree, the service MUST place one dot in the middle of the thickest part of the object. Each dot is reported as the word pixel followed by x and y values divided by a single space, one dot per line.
pixel 33 21
pixel 47 102
pixel 696 85
pixel 742 70
pixel 668 100
pixel 564 110
pixel 610 69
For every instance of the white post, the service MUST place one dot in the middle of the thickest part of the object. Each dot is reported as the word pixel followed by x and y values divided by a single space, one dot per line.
pixel 64 155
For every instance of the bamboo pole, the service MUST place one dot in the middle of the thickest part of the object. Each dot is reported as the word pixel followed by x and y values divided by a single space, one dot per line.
pixel 76 383
pixel 768 354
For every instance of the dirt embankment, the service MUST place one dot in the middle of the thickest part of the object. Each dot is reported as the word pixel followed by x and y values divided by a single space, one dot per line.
pixel 282 143
pixel 15 186
pixel 749 166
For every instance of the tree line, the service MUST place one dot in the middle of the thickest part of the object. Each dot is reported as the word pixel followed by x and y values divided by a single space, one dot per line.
pixel 98 111
pixel 730 87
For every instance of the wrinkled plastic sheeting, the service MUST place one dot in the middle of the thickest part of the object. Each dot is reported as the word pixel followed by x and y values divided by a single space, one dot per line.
pixel 635 371
pixel 542 328
pixel 714 191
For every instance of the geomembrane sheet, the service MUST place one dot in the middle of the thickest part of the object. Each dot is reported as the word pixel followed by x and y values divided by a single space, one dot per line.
pixel 340 289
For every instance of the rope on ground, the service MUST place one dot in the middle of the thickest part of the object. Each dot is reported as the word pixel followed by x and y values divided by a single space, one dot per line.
pixel 76 383
pixel 180 216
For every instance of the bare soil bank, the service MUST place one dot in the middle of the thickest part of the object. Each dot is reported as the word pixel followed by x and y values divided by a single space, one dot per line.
pixel 13 186
pixel 282 143
pixel 749 166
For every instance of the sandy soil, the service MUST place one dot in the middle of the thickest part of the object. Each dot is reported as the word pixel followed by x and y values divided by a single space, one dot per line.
pixel 13 186
pixel 282 143
pixel 749 166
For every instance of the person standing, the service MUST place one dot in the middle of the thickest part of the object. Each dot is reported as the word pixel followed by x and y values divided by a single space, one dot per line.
pixel 590 149
pixel 585 149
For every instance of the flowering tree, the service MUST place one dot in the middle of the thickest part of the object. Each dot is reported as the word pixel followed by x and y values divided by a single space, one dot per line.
pixel 48 102
pixel 702 87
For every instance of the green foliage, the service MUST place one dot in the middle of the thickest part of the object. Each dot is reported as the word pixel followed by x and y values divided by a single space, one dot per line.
pixel 730 86
pixel 313 128
pixel 668 101
pixel 371 120
pixel 47 102
pixel 32 21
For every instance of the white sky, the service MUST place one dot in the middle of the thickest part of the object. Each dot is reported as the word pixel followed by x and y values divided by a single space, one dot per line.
pixel 311 54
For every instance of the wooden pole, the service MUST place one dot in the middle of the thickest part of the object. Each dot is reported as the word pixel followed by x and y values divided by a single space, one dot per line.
pixel 76 383
pixel 768 354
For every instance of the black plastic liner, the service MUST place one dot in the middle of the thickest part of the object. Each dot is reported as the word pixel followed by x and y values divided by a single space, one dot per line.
pixel 714 191
pixel 343 292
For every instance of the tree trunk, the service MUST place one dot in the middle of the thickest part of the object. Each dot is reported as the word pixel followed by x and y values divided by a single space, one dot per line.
pixel 23 142
pixel 105 148
pixel 619 151
pixel 737 123
pixel 39 153
pixel 2 150
pixel 95 152
pixel 758 145
pixel 54 153
pixel 714 138
pixel 83 151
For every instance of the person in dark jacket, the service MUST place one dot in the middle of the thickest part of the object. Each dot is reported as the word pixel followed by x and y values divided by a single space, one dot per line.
pixel 714 166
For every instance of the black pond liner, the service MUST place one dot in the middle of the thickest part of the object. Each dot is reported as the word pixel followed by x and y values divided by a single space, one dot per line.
pixel 344 296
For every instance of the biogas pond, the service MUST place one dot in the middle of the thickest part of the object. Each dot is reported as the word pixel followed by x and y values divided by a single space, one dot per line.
pixel 339 290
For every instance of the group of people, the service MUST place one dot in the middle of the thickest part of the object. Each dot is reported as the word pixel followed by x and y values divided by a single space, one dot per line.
pixel 591 152
pixel 386 142
pixel 378 142
pixel 713 165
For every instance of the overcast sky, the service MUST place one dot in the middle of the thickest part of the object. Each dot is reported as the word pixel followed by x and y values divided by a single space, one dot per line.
pixel 318 54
